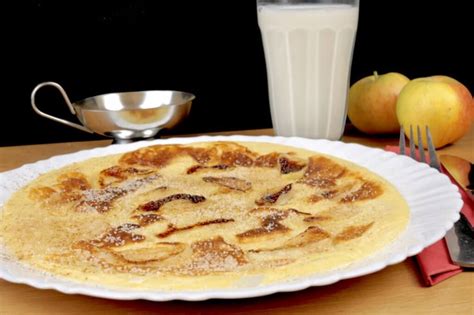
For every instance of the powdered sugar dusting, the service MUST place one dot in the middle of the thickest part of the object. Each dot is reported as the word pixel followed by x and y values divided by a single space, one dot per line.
pixel 101 200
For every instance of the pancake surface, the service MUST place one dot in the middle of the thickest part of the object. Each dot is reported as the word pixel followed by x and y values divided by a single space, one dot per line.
pixel 201 216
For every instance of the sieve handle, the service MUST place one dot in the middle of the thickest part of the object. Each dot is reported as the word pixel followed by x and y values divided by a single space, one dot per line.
pixel 66 99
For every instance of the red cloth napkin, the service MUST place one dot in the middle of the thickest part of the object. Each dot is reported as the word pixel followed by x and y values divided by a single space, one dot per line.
pixel 434 261
pixel 468 208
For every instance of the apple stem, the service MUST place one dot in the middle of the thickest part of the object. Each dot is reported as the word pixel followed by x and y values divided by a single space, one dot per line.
pixel 376 75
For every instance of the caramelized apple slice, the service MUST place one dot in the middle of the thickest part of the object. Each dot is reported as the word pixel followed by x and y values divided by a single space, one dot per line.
pixel 229 182
pixel 353 232
pixel 155 205
pixel 272 198
pixel 368 190
pixel 270 226
pixel 151 252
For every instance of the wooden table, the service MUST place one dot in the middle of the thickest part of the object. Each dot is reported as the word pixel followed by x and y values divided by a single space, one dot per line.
pixel 394 290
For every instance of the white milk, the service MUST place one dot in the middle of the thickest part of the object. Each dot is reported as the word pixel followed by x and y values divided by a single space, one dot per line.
pixel 308 51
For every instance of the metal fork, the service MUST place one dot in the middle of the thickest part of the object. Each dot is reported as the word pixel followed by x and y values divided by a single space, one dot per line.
pixel 431 149
pixel 459 239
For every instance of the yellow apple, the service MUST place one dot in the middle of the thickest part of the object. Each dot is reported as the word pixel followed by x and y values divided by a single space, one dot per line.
pixel 372 102
pixel 439 102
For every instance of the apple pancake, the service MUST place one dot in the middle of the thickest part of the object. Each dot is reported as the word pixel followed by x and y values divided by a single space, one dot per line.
pixel 202 216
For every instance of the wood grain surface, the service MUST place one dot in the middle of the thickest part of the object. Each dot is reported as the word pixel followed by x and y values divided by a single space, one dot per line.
pixel 394 290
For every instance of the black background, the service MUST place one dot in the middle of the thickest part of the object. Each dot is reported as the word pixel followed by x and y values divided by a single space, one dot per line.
pixel 210 48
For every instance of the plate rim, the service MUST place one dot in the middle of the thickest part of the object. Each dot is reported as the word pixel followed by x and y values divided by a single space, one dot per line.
pixel 71 287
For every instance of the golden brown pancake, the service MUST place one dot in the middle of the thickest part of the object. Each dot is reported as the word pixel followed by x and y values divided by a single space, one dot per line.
pixel 201 216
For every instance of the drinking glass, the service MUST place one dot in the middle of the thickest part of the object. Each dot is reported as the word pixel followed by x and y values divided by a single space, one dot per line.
pixel 308 52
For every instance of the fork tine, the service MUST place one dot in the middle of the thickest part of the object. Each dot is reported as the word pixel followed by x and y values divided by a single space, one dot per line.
pixel 421 149
pixel 431 150
pixel 402 141
pixel 412 144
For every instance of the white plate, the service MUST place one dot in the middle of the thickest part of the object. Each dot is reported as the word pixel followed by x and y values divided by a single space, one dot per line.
pixel 434 205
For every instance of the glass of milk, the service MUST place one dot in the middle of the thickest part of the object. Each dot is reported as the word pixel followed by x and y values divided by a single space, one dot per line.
pixel 308 51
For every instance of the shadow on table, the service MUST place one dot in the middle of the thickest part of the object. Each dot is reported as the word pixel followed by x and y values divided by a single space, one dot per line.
pixel 275 303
